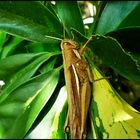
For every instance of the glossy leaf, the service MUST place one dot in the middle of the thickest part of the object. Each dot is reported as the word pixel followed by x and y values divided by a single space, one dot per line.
pixel 2 39
pixel 128 38
pixel 36 47
pixel 9 48
pixel 10 65
pixel 50 7
pixel 110 53
pixel 30 20
pixel 133 19
pixel 70 15
pixel 111 116
pixel 113 55
pixel 52 124
pixel 57 128
pixel 25 72
pixel 22 99
pixel 115 13
pixel 49 65
pixel 22 107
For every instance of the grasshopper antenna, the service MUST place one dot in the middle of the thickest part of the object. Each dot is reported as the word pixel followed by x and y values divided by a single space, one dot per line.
pixel 52 37
pixel 56 38
pixel 82 49
pixel 64 32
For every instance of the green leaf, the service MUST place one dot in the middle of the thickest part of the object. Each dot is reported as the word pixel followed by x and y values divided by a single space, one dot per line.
pixel 9 48
pixel 136 57
pixel 111 116
pixel 57 128
pixel 128 38
pixel 24 72
pixel 118 14
pixel 113 55
pixel 30 20
pixel 49 65
pixel 50 7
pixel 12 64
pixel 51 127
pixel 20 109
pixel 70 16
pixel 35 47
pixel 2 39
pixel 133 19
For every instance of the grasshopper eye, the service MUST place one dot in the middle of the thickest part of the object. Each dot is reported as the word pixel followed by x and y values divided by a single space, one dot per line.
pixel 67 43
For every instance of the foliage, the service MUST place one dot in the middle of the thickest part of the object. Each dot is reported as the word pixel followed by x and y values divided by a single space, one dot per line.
pixel 33 101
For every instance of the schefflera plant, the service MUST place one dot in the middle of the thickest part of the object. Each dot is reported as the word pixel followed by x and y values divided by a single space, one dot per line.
pixel 33 101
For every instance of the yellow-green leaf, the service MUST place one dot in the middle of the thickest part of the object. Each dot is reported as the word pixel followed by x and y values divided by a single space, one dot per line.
pixel 111 116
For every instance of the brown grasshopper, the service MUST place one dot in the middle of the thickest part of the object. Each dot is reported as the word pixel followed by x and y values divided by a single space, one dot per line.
pixel 78 88
pixel 78 80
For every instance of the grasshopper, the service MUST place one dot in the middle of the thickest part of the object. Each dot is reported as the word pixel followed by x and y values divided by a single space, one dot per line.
pixel 78 87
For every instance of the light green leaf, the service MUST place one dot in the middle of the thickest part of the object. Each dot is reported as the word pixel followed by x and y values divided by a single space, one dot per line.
pixel 9 48
pixel 52 124
pixel 24 72
pixel 20 109
pixel 111 116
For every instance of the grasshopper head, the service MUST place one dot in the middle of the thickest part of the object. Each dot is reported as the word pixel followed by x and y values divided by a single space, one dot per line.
pixel 70 44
